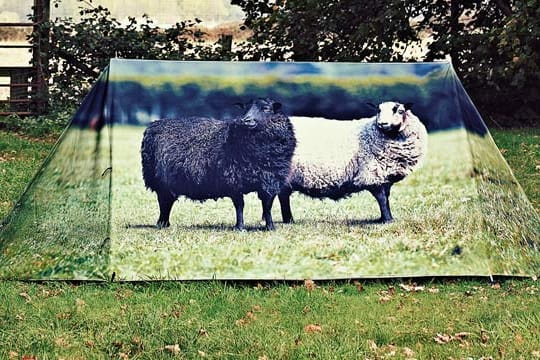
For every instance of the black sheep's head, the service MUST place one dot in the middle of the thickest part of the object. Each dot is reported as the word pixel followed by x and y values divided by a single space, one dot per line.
pixel 258 112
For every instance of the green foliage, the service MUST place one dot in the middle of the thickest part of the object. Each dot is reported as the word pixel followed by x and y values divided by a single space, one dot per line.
pixel 80 49
pixel 49 125
pixel 493 44
pixel 311 30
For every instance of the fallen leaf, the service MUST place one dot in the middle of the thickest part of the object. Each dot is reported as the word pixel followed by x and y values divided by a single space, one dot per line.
pixel 385 298
pixel 484 337
pixel 536 354
pixel 123 356
pixel 433 290
pixel 313 328
pixel 263 357
pixel 359 286
pixel 26 297
pixel 496 286
pixel 411 288
pixel 391 290
pixel 13 355
pixel 173 349
pixel 19 317
pixel 372 345
pixel 408 352
pixel 309 284
pixel 461 335
pixel 79 303
pixel 442 339
pixel 203 332
pixel 518 338
pixel 123 293
pixel 201 353
pixel 306 309
pixel 63 316
pixel 256 308
pixel 28 357
pixel 89 343
pixel 60 341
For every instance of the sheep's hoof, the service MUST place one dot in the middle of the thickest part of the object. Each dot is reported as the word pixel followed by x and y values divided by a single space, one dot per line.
pixel 239 228
pixel 270 227
pixel 163 224
pixel 288 221
pixel 385 221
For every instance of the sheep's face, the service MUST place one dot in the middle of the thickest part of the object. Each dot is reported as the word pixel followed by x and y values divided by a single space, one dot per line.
pixel 392 116
pixel 258 112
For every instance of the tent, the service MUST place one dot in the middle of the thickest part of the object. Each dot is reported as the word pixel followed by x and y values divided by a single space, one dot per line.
pixel 88 215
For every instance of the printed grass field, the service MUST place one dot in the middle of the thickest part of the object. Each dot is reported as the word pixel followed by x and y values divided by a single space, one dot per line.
pixel 456 319
pixel 439 227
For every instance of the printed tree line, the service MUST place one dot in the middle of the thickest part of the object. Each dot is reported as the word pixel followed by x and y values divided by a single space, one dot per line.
pixel 137 104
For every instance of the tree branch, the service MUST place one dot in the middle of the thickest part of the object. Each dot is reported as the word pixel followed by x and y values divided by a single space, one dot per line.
pixel 504 6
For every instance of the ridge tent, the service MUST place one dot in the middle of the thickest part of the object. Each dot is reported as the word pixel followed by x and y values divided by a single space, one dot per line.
pixel 87 215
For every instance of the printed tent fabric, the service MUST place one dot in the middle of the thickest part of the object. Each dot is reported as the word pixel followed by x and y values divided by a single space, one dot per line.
pixel 88 215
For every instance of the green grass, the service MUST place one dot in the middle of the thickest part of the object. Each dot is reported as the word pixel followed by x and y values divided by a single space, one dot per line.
pixel 95 321
pixel 437 209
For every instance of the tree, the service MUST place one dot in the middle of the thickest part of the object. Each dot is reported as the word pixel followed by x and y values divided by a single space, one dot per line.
pixel 494 44
pixel 80 49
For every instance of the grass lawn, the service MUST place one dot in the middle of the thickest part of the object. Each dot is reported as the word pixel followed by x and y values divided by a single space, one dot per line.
pixel 443 319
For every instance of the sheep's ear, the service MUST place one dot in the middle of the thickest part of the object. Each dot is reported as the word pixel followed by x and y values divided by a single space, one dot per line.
pixel 240 105
pixel 276 106
pixel 408 105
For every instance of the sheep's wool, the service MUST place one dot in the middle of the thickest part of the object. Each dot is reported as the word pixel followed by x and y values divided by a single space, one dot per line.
pixel 333 152
pixel 324 148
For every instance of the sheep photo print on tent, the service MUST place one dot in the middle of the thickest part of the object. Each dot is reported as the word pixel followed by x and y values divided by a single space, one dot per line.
pixel 220 170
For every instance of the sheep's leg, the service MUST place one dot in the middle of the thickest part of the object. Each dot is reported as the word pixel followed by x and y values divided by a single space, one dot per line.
pixel 285 204
pixel 382 193
pixel 267 201
pixel 238 202
pixel 166 202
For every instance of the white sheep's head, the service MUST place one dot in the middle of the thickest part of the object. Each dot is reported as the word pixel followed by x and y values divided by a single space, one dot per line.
pixel 392 116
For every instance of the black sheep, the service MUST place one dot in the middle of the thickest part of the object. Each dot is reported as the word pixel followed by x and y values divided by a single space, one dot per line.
pixel 203 158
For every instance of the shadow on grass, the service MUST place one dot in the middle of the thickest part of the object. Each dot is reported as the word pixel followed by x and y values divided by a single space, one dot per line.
pixel 212 227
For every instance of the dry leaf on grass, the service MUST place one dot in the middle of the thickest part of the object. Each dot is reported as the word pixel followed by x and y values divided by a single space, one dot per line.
pixel 445 338
pixel 203 332
pixel 359 286
pixel 433 290
pixel 411 288
pixel 60 341
pixel 408 352
pixel 309 285
pixel 28 357
pixel 372 345
pixel 123 356
pixel 442 338
pixel 496 286
pixel 313 328
pixel 201 353
pixel 173 349
pixel 25 296
pixel 249 317
pixel 536 354
pixel 13 355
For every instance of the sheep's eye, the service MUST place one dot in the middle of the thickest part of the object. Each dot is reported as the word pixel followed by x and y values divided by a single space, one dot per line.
pixel 401 112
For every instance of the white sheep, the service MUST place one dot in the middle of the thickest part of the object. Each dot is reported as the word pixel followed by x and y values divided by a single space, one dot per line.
pixel 334 159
